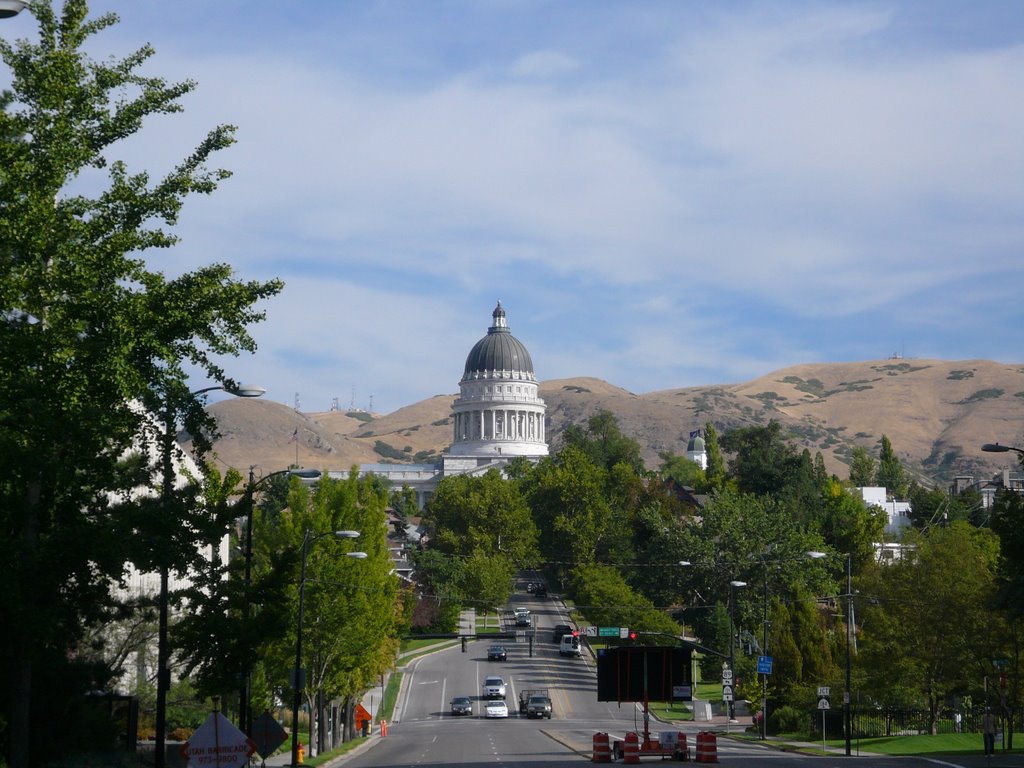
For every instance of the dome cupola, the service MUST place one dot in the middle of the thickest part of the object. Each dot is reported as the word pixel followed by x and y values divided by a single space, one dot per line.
pixel 499 354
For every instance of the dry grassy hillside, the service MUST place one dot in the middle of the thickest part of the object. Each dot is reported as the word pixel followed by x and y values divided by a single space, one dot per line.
pixel 936 413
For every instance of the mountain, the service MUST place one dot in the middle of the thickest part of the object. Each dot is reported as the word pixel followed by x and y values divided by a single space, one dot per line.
pixel 936 413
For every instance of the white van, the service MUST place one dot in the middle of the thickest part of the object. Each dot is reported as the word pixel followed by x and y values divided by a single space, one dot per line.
pixel 569 645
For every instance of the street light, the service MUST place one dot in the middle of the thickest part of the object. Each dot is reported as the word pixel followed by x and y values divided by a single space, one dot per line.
pixel 163 673
pixel 244 715
pixel 300 682
pixel 847 721
pixel 734 585
pixel 997 448
pixel 9 8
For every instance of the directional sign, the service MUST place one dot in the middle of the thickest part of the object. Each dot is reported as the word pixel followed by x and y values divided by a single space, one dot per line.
pixel 608 632
pixel 623 633
pixel 764 665
pixel 590 631
pixel 822 703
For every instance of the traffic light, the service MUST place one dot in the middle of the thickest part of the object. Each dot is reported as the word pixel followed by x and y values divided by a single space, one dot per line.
pixel 632 636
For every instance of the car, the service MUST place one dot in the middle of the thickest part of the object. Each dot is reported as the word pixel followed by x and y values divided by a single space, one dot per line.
pixel 560 629
pixel 538 705
pixel 540 589
pixel 462 705
pixel 494 688
pixel 531 586
pixel 522 617
pixel 496 708
pixel 497 653
pixel 569 645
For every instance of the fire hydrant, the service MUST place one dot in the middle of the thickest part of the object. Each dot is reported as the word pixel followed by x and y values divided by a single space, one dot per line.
pixel 302 753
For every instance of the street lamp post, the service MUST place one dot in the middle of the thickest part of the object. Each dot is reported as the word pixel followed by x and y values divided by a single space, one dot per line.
pixel 244 713
pixel 163 672
pixel 764 675
pixel 299 682
pixel 734 585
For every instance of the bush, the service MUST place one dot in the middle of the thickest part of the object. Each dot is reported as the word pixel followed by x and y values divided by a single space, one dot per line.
pixel 787 720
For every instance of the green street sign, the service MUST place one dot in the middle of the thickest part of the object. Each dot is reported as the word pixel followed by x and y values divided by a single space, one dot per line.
pixel 607 631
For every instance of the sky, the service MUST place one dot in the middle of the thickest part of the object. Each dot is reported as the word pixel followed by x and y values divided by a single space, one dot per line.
pixel 661 194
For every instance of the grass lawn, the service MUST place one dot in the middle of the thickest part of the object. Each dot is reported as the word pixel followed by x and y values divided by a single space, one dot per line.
pixel 944 743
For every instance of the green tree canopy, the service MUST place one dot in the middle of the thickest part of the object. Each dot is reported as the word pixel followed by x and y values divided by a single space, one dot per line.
pixel 862 467
pixel 890 474
pixel 87 333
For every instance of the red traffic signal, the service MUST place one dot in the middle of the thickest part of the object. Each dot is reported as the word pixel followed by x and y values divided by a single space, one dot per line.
pixel 575 633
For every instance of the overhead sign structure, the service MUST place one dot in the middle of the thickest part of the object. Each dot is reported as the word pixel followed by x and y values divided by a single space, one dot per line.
pixel 610 632
pixel 268 735
pixel 217 744
pixel 590 631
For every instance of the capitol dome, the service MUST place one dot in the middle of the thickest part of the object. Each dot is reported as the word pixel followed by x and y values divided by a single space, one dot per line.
pixel 499 354
pixel 498 414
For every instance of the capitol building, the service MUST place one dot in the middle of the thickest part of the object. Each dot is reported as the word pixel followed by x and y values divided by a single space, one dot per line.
pixel 497 416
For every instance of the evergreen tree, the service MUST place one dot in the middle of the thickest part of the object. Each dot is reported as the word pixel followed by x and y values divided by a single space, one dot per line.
pixel 715 471
pixel 862 467
pixel 891 474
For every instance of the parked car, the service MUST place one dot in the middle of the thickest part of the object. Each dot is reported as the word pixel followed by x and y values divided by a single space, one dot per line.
pixel 496 708
pixel 560 630
pixel 462 705
pixel 497 653
pixel 494 688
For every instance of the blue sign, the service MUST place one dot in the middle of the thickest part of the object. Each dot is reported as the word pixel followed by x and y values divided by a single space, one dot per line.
pixel 764 665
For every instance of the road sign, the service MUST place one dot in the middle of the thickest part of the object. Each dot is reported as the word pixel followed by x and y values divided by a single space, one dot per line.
pixel 623 633
pixel 609 632
pixel 217 743
pixel 726 675
pixel 268 735
pixel 764 665
pixel 590 631
pixel 822 703
pixel 726 693
pixel 823 691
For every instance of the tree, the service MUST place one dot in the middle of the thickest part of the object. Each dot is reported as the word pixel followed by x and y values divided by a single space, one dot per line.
pixel 927 624
pixel 862 467
pixel 715 472
pixel 682 470
pixel 891 474
pixel 603 442
pixel 86 333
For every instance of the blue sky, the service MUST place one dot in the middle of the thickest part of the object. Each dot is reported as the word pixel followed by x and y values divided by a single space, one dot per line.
pixel 662 194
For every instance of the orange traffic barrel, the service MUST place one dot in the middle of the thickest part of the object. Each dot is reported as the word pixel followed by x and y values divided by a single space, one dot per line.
pixel 631 748
pixel 682 752
pixel 602 749
pixel 707 747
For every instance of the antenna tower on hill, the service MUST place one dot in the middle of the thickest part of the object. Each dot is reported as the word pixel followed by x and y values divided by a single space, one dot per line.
pixel 296 401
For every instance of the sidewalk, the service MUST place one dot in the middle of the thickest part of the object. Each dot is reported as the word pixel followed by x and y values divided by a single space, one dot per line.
pixel 371 700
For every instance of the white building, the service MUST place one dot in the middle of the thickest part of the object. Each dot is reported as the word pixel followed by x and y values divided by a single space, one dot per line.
pixel 898 512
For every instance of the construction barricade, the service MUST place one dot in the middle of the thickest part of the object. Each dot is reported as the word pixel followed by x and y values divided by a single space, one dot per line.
pixel 707 747
pixel 631 748
pixel 602 748
pixel 681 752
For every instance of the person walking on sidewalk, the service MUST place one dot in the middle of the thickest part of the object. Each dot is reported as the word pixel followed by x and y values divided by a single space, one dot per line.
pixel 988 730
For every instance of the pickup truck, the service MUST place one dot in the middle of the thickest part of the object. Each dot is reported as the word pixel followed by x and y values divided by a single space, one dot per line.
pixel 535 703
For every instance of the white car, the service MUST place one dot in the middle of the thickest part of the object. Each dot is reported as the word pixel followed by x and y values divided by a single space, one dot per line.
pixel 496 708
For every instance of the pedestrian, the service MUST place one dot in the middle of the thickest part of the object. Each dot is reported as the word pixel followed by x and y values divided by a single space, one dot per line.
pixel 957 721
pixel 988 731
